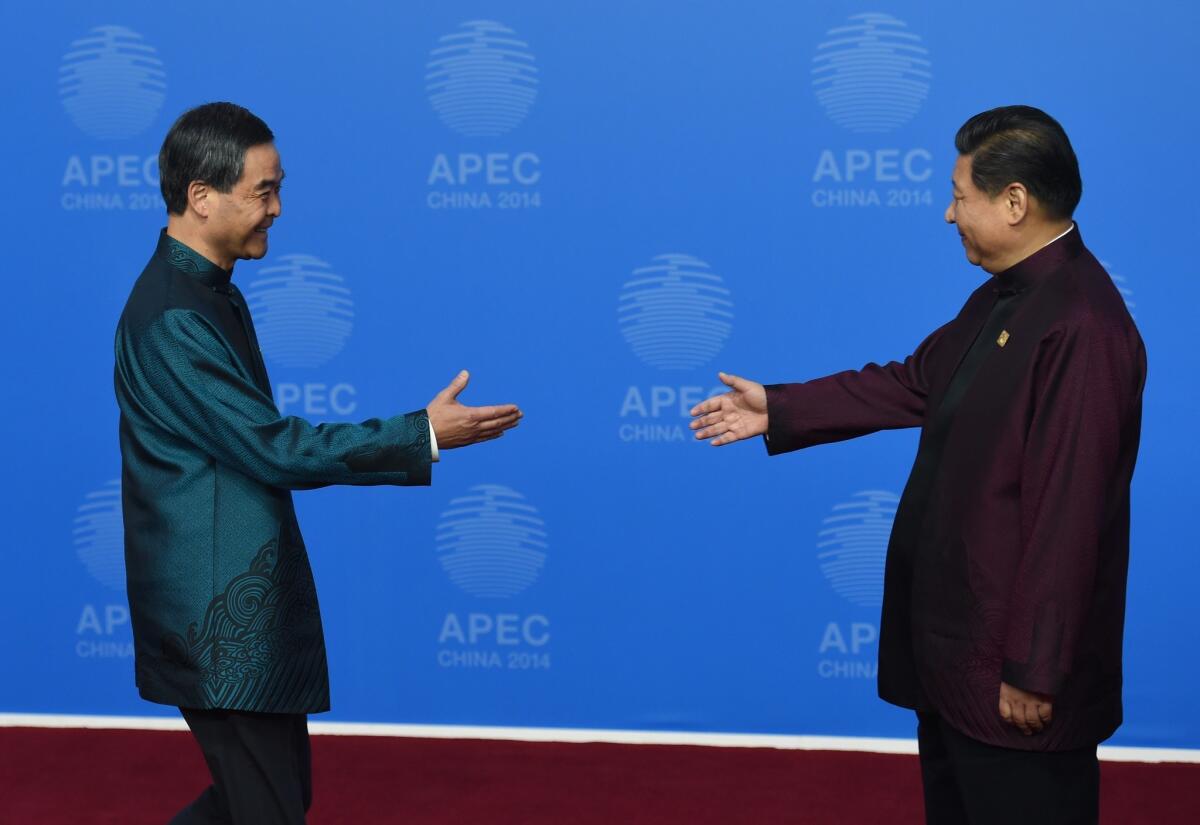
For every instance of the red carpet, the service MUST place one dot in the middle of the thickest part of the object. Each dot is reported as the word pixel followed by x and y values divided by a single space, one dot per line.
pixel 56 777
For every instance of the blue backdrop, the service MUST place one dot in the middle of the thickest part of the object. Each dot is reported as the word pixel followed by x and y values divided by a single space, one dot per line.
pixel 594 207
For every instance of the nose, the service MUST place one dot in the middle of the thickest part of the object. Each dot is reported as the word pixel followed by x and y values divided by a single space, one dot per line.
pixel 949 216
pixel 275 207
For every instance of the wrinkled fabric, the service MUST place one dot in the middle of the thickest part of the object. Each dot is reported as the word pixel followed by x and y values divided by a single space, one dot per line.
pixel 1009 553
pixel 222 600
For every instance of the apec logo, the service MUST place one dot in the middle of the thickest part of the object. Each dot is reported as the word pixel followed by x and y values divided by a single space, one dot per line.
pixel 112 86
pixel 481 79
pixel 676 315
pixel 482 82
pixel 871 75
pixel 302 311
pixel 852 548
pixel 304 315
pixel 492 544
pixel 100 537
pixel 102 631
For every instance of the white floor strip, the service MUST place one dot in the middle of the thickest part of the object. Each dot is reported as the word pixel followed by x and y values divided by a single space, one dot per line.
pixel 1109 753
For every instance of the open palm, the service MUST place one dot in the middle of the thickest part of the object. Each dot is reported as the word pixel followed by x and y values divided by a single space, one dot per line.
pixel 738 414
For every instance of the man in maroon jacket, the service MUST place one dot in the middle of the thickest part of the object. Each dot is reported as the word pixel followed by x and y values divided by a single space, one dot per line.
pixel 1004 591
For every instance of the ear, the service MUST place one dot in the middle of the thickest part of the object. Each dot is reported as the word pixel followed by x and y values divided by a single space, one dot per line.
pixel 1016 203
pixel 199 197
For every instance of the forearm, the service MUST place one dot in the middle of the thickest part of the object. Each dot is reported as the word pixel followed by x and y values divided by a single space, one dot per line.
pixel 291 453
pixel 841 406
pixel 183 376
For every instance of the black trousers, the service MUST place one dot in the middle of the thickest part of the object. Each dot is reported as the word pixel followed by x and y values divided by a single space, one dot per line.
pixel 968 782
pixel 261 768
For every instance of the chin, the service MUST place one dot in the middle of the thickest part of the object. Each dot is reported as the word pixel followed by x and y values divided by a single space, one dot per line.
pixel 256 251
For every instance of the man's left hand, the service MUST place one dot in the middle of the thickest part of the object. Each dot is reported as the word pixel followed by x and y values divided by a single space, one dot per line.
pixel 1030 712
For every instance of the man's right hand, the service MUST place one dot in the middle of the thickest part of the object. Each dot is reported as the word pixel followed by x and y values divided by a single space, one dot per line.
pixel 739 413
pixel 456 425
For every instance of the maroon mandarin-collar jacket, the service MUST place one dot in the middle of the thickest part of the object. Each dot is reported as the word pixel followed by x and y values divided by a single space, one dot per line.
pixel 1008 560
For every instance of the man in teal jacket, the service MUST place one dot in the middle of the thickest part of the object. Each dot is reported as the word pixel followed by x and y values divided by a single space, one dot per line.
pixel 222 601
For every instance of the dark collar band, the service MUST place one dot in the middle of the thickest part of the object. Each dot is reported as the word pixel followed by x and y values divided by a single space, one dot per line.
pixel 184 258
pixel 1032 270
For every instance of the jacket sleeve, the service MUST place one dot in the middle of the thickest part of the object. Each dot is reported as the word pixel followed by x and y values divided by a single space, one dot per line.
pixel 1075 470
pixel 181 372
pixel 852 403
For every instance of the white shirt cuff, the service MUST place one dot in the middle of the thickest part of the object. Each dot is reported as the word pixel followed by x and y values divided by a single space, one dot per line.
pixel 433 450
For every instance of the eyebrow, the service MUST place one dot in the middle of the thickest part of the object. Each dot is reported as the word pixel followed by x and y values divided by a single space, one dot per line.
pixel 271 181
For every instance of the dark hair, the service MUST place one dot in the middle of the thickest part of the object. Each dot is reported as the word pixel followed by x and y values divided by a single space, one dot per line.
pixel 207 143
pixel 1024 145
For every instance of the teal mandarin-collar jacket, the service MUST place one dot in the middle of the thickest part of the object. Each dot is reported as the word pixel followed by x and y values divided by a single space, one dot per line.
pixel 221 595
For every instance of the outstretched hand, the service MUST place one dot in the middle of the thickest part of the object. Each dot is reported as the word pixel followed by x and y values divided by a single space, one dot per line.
pixel 456 425
pixel 735 415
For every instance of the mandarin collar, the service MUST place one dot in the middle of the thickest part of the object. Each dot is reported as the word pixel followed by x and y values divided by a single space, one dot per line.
pixel 184 258
pixel 1033 269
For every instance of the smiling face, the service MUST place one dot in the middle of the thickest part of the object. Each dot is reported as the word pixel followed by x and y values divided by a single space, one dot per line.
pixel 984 223
pixel 237 221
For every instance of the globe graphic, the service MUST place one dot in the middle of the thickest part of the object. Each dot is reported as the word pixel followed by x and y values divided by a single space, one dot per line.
pixel 871 74
pixel 491 542
pixel 100 536
pixel 852 546
pixel 111 83
pixel 675 314
pixel 481 79
pixel 303 313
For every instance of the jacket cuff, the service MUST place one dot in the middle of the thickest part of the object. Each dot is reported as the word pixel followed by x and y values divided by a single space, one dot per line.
pixel 779 437
pixel 403 447
pixel 1031 677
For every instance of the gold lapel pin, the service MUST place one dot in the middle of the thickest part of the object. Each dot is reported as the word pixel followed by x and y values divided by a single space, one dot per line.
pixel 1003 339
